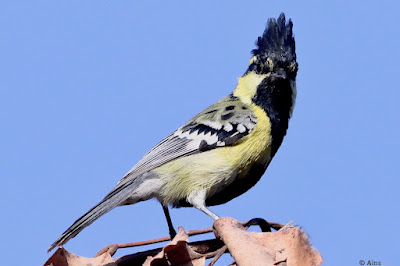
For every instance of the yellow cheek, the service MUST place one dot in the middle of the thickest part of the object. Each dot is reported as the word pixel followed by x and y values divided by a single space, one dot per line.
pixel 247 86
pixel 252 60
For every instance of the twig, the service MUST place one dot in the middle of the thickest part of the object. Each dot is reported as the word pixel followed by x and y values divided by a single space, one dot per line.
pixel 206 247
pixel 218 255
pixel 112 248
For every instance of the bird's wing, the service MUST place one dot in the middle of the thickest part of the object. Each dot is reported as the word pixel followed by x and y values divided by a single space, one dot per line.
pixel 223 123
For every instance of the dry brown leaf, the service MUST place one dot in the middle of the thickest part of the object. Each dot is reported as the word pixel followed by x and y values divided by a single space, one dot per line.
pixel 177 252
pixel 62 257
pixel 290 246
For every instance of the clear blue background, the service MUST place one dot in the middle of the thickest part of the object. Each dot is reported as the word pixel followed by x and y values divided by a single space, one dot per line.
pixel 88 87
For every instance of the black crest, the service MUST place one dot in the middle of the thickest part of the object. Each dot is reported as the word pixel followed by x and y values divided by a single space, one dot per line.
pixel 277 41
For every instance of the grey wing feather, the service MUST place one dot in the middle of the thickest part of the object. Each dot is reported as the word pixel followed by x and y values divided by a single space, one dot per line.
pixel 223 123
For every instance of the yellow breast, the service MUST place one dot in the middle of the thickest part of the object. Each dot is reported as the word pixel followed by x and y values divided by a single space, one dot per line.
pixel 254 148
pixel 213 169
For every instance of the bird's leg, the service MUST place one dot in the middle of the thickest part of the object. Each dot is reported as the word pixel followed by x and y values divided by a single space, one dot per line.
pixel 204 209
pixel 197 199
pixel 172 231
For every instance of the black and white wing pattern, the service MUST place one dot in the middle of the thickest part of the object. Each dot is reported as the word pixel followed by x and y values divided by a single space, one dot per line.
pixel 222 124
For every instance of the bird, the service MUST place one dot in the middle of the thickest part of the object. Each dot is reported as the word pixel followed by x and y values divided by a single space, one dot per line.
pixel 224 150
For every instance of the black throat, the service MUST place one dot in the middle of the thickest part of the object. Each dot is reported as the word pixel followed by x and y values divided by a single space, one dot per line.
pixel 274 95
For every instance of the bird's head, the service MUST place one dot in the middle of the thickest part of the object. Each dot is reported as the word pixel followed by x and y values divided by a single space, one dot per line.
pixel 270 80
pixel 275 52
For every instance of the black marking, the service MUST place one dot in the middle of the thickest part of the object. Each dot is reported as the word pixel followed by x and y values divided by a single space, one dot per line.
pixel 253 119
pixel 233 97
pixel 225 137
pixel 192 127
pixel 202 129
pixel 274 95
pixel 210 112
pixel 244 107
pixel 222 136
pixel 227 116
pixel 204 146
pixel 231 136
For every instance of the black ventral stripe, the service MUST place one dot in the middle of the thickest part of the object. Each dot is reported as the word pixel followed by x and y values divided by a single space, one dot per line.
pixel 274 96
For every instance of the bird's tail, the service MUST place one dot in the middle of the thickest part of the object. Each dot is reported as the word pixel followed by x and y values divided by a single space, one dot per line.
pixel 112 200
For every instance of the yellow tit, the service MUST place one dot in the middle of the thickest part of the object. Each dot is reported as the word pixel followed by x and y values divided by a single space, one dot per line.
pixel 223 151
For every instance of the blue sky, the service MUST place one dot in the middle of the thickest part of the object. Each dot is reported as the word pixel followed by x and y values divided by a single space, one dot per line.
pixel 87 88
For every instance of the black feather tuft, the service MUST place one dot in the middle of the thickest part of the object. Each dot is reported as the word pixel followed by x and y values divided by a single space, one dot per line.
pixel 277 41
